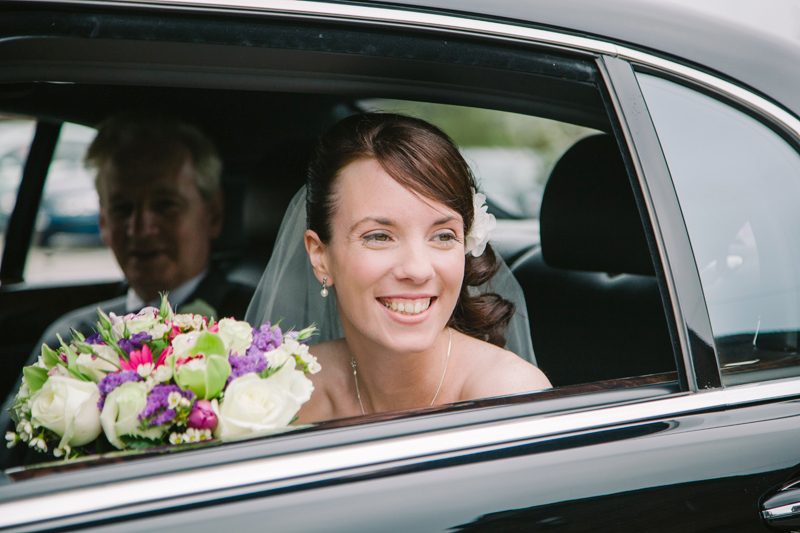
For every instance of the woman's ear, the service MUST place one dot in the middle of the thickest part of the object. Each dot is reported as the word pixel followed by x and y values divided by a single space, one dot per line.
pixel 317 253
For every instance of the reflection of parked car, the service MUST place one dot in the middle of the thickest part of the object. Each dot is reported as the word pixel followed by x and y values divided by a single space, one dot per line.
pixel 664 295
pixel 69 204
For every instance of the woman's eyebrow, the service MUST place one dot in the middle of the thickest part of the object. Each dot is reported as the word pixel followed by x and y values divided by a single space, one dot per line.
pixel 379 220
pixel 444 221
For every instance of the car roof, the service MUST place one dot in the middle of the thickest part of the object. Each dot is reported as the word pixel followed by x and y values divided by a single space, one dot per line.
pixel 754 57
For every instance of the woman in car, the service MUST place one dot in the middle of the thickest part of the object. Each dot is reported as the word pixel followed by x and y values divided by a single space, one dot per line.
pixel 395 232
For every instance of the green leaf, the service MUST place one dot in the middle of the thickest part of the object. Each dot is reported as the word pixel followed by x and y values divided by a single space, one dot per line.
pixel 77 335
pixel 77 374
pixel 135 442
pixel 103 320
pixel 35 377
pixel 267 372
pixel 50 357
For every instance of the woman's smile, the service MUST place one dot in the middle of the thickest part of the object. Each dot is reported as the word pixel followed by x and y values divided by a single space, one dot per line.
pixel 407 306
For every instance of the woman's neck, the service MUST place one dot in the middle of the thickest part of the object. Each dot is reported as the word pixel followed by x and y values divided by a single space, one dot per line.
pixel 392 381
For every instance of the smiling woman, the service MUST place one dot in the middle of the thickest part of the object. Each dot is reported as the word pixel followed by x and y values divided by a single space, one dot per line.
pixel 390 207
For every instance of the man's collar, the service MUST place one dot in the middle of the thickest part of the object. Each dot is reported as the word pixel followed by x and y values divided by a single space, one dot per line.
pixel 176 297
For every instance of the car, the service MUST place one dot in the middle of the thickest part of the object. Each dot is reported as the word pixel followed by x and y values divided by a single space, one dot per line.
pixel 661 267
pixel 70 204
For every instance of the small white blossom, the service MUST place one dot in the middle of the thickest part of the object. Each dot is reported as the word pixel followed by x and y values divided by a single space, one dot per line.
pixel 314 367
pixel 25 430
pixel 62 451
pixel 144 369
pixel 162 374
pixel 192 435
pixel 38 443
pixel 175 438
pixel 12 439
pixel 173 399
pixel 185 402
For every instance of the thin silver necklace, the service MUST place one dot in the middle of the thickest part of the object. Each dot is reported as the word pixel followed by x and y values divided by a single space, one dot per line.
pixel 441 382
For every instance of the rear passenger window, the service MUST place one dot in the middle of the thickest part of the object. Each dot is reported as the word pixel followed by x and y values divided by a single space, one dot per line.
pixel 67 245
pixel 738 183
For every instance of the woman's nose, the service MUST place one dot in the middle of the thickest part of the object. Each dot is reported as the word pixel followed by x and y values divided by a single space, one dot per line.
pixel 415 263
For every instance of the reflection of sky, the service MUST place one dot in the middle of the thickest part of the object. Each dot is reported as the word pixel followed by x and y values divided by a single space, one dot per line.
pixel 738 187
pixel 781 17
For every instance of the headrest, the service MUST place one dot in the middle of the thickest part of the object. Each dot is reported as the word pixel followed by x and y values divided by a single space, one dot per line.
pixel 589 219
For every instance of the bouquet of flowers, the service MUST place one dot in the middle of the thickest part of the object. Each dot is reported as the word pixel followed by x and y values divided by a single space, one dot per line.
pixel 156 378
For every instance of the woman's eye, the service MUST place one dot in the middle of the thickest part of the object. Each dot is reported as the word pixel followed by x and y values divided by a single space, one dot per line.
pixel 448 238
pixel 376 237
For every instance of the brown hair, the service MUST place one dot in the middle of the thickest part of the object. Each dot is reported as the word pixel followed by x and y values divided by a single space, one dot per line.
pixel 424 159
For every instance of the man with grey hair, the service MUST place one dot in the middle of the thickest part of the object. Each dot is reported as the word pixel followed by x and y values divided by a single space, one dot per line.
pixel 158 180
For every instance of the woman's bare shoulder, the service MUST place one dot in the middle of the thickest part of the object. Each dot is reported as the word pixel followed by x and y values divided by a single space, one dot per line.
pixel 328 382
pixel 494 371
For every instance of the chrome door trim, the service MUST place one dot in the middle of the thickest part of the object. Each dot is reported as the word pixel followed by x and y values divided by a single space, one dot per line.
pixel 338 462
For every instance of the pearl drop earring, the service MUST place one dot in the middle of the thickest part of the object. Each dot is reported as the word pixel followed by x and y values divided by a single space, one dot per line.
pixel 324 291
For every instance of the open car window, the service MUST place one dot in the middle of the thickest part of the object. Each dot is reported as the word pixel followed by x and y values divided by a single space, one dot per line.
pixel 596 305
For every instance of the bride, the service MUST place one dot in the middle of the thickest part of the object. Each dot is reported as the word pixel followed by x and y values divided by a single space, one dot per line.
pixel 395 236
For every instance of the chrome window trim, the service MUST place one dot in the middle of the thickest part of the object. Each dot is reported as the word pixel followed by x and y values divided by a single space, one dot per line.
pixel 338 462
pixel 473 26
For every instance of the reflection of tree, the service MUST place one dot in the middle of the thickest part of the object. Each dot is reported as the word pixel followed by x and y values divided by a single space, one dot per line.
pixel 471 127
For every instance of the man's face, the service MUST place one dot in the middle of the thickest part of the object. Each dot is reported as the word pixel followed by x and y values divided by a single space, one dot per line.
pixel 154 219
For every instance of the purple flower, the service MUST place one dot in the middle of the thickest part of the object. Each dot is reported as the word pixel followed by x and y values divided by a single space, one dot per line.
pixel 95 339
pixel 253 361
pixel 202 416
pixel 112 381
pixel 135 342
pixel 157 410
pixel 266 338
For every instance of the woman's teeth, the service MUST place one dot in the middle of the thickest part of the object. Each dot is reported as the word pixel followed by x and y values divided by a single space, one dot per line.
pixel 408 307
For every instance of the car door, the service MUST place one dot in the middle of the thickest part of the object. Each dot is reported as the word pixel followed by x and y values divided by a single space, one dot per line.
pixel 688 449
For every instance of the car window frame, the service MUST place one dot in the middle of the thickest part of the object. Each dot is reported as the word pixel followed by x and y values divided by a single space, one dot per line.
pixel 498 411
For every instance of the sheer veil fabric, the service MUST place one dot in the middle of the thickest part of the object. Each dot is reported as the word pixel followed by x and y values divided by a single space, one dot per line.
pixel 289 290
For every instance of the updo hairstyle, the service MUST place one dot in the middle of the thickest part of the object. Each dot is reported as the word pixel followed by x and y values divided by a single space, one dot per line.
pixel 422 158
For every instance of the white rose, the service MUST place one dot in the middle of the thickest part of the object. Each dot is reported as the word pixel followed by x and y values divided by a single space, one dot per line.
pixel 254 406
pixel 237 335
pixel 184 342
pixel 95 367
pixel 120 414
pixel 68 407
pixel 294 382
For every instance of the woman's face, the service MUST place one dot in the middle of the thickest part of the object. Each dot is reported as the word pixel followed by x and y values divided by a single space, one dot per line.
pixel 396 260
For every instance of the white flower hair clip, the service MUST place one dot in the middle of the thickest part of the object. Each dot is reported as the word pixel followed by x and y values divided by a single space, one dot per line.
pixel 482 225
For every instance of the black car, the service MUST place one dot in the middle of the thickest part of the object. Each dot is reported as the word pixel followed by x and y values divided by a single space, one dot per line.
pixel 661 267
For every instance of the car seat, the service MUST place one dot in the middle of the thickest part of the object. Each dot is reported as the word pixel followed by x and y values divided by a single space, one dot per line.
pixel 593 300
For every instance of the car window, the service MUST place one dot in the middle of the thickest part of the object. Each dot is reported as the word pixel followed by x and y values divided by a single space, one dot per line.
pixel 16 134
pixel 66 244
pixel 737 183
pixel 591 320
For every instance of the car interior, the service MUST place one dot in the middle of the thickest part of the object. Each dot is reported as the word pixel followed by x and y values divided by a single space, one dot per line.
pixel 593 285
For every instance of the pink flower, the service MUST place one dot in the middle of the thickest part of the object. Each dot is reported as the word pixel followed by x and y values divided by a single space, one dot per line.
pixel 214 328
pixel 141 361
pixel 202 416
